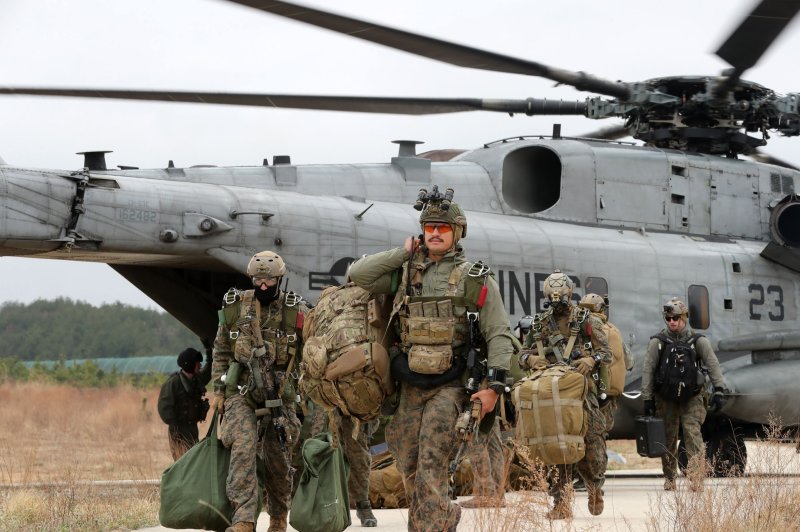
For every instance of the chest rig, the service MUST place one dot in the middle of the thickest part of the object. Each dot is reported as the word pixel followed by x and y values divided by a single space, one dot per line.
pixel 265 340
pixel 564 346
pixel 434 329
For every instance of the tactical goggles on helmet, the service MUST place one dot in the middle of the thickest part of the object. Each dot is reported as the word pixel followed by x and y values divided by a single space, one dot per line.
pixel 268 279
pixel 443 228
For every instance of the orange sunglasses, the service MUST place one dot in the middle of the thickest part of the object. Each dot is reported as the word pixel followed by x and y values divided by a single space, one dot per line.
pixel 442 228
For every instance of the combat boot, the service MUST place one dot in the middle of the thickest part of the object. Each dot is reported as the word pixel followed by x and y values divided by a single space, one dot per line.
pixel 669 484
pixel 596 503
pixel 560 510
pixel 364 513
pixel 483 501
pixel 277 524
pixel 241 526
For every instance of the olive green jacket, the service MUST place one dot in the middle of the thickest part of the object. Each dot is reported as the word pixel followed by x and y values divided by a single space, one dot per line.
pixel 704 350
pixel 374 273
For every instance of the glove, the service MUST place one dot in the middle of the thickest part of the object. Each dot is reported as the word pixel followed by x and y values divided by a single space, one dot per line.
pixel 649 407
pixel 218 402
pixel 531 361
pixel 584 365
pixel 718 400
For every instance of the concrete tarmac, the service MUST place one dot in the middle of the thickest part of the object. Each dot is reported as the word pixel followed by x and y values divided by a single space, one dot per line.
pixel 634 500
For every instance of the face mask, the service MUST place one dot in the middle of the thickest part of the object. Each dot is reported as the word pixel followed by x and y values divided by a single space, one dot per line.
pixel 267 296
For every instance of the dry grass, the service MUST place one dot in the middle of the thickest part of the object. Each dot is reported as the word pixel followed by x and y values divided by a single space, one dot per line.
pixel 57 437
pixel 765 501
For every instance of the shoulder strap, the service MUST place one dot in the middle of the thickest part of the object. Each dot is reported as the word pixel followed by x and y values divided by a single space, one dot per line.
pixel 455 278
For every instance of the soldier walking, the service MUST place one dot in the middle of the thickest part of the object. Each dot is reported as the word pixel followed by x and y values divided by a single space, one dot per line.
pixel 256 346
pixel 181 401
pixel 567 333
pixel 673 388
pixel 438 297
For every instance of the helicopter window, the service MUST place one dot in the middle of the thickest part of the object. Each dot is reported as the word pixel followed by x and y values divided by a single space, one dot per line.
pixel 679 170
pixel 678 199
pixel 698 307
pixel 103 183
pixel 531 179
pixel 728 304
pixel 737 268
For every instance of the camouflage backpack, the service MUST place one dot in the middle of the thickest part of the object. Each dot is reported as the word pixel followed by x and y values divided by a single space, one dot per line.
pixel 345 359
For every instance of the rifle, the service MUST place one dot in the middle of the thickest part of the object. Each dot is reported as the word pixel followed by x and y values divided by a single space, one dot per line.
pixel 469 420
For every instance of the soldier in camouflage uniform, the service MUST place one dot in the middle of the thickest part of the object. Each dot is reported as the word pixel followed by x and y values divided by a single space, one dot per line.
pixel 435 287
pixel 356 451
pixel 181 402
pixel 569 333
pixel 688 415
pixel 257 343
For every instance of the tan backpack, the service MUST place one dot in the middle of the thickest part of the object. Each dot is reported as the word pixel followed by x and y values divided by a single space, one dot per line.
pixel 616 370
pixel 551 421
pixel 345 359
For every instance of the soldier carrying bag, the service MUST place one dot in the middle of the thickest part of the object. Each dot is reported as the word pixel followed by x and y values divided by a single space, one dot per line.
pixel 551 420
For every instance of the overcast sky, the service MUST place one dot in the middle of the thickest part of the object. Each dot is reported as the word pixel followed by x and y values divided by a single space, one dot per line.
pixel 213 45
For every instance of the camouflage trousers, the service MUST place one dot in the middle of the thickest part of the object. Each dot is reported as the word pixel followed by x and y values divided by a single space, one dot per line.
pixel 487 456
pixel 688 416
pixel 240 432
pixel 356 451
pixel 182 438
pixel 423 440
pixel 592 467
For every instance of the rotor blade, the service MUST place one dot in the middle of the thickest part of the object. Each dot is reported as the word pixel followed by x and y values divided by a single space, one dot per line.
pixel 608 133
pixel 762 157
pixel 756 33
pixel 361 104
pixel 447 52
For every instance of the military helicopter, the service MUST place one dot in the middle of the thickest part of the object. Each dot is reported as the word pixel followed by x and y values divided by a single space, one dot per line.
pixel 683 215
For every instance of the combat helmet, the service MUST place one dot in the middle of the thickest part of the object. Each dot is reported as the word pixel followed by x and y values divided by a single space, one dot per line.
pixel 558 287
pixel 266 264
pixel 438 207
pixel 593 302
pixel 675 307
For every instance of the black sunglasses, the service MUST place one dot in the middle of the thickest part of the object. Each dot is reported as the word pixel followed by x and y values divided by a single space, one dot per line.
pixel 672 318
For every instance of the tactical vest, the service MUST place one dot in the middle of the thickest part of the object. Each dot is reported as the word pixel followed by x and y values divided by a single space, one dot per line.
pixel 434 329
pixel 273 339
pixel 576 344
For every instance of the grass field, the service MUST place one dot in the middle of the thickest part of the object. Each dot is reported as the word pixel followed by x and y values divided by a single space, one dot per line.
pixel 55 438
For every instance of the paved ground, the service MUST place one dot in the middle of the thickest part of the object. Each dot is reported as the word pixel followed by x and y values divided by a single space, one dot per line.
pixel 632 498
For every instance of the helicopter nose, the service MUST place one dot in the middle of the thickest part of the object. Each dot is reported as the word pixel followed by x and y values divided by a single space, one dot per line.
pixel 34 207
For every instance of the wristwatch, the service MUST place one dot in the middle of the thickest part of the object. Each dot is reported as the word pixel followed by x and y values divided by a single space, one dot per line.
pixel 498 388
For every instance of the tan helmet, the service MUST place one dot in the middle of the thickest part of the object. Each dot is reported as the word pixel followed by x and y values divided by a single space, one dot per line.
pixel 266 264
pixel 675 307
pixel 558 286
pixel 593 302
pixel 442 208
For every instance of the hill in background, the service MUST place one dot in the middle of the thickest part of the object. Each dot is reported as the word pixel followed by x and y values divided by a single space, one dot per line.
pixel 67 329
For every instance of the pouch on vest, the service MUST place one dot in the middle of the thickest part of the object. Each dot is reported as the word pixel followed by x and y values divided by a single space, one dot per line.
pixel 551 420
pixel 430 359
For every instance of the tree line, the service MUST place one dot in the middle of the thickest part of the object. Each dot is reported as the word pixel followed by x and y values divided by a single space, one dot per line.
pixel 63 329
